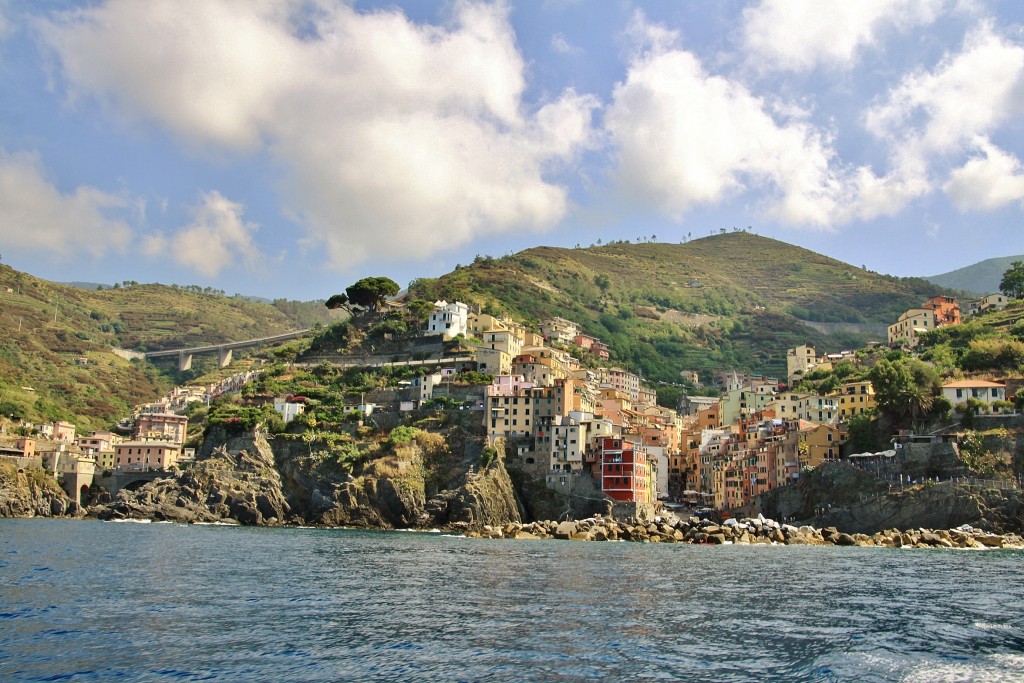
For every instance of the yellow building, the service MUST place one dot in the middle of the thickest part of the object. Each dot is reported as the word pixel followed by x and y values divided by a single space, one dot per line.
pixel 854 398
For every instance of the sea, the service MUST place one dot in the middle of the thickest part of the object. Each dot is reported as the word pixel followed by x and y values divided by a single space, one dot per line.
pixel 102 601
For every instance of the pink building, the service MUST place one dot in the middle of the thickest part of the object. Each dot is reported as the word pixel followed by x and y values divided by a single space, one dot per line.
pixel 164 426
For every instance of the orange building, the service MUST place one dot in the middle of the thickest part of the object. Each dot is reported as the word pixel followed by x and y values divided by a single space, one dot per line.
pixel 946 308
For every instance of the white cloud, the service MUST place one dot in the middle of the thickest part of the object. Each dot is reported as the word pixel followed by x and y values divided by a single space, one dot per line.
pixel 397 139
pixel 986 182
pixel 936 116
pixel 218 238
pixel 969 93
pixel 799 35
pixel 38 216
pixel 563 47
pixel 684 138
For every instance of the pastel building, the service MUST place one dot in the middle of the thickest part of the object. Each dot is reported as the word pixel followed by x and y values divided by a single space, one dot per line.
pixel 982 390
pixel 161 426
pixel 146 455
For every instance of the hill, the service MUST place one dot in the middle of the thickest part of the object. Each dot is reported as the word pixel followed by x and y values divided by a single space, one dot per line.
pixel 981 278
pixel 56 360
pixel 733 300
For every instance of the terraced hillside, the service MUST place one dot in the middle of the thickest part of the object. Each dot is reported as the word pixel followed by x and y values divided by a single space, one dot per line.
pixel 55 353
pixel 728 301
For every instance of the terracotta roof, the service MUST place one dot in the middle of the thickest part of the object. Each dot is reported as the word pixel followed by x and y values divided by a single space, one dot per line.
pixel 968 383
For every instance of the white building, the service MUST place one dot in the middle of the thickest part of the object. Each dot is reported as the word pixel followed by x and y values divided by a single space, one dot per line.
pixel 449 319
pixel 288 410
pixel 960 391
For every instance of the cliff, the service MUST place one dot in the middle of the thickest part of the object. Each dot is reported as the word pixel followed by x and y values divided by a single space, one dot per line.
pixel 433 480
pixel 855 501
pixel 30 493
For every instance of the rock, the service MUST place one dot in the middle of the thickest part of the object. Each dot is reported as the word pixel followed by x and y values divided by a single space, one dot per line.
pixel 565 530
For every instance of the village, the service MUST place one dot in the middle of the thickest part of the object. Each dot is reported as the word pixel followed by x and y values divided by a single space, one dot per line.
pixel 585 430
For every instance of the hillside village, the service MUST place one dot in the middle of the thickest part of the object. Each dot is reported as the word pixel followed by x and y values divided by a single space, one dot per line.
pixel 585 429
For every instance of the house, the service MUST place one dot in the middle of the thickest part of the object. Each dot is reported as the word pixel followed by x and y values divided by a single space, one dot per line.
pixel 623 471
pixel 854 398
pixel 910 325
pixel 992 301
pixel 493 361
pixel 559 330
pixel 800 361
pixel 163 426
pixel 146 455
pixel 821 443
pixel 946 310
pixel 959 391
pixel 449 319
pixel 938 311
pixel 504 340
pixel 288 409
pixel 592 344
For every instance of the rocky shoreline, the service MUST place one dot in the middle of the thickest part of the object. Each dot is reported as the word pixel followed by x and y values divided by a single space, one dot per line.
pixel 744 531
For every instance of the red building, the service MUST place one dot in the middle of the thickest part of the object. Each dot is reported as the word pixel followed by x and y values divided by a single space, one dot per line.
pixel 623 471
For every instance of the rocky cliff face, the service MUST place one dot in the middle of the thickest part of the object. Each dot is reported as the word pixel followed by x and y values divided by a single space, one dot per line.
pixel 30 493
pixel 433 481
pixel 855 501
pixel 234 478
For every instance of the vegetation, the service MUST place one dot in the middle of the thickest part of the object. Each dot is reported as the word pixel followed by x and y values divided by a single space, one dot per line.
pixel 56 360
pixel 369 292
pixel 728 301
pixel 1012 284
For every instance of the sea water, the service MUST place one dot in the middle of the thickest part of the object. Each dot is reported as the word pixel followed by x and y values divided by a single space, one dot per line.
pixel 94 601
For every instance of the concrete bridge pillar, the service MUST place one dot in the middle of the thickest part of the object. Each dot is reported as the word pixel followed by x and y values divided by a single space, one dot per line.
pixel 184 361
pixel 224 355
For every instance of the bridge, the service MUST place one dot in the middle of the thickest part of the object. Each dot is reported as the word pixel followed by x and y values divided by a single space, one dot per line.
pixel 223 351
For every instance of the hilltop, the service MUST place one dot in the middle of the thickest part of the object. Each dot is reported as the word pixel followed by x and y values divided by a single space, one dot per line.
pixel 733 300
pixel 980 278
pixel 56 360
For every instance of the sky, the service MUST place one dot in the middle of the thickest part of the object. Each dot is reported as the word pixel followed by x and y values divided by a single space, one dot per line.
pixel 287 148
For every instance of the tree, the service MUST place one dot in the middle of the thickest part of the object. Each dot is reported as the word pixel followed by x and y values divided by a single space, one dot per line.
pixel 603 282
pixel 1012 284
pixel 371 291
pixel 897 395
pixel 337 301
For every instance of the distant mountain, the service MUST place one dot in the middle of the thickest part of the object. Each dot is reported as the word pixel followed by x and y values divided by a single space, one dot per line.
pixel 733 300
pixel 980 278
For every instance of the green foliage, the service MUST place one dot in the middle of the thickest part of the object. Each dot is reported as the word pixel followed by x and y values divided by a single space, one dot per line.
pixel 337 301
pixel 979 458
pixel 403 434
pixel 371 291
pixel 473 377
pixel 993 354
pixel 1012 283
pixel 239 417
pixel 333 338
pixel 863 434
pixel 903 389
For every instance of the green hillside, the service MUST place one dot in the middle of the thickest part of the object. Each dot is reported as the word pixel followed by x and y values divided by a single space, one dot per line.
pixel 728 301
pixel 55 355
pixel 981 278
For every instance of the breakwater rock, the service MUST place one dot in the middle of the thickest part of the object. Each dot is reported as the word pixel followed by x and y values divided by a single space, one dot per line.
pixel 744 531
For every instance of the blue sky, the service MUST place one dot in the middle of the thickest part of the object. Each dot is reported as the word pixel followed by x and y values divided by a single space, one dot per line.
pixel 285 148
